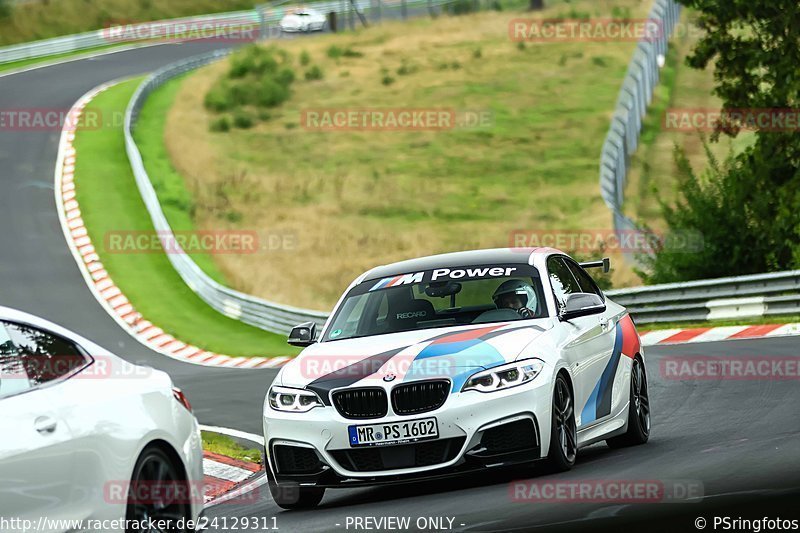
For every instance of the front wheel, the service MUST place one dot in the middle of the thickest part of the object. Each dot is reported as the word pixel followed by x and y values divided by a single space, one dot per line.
pixel 563 432
pixel 292 496
pixel 638 410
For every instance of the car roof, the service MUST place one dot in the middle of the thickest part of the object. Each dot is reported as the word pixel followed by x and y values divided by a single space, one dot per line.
pixel 492 256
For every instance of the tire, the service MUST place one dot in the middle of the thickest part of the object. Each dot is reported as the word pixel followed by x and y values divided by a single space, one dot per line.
pixel 638 410
pixel 292 496
pixel 155 468
pixel 563 431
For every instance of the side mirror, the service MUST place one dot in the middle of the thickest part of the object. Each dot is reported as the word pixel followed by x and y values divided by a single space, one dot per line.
pixel 303 335
pixel 581 304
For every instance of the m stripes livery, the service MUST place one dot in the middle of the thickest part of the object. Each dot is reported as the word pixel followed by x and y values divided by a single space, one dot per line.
pixel 626 342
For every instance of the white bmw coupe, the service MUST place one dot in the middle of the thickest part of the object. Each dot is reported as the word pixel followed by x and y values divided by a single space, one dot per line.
pixel 451 363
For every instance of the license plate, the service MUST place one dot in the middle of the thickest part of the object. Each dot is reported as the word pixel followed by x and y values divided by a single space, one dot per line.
pixel 394 432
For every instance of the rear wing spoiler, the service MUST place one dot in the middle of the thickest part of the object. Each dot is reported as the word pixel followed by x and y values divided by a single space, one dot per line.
pixel 604 263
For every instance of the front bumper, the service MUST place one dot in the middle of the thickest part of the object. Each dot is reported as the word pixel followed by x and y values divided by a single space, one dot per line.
pixel 476 431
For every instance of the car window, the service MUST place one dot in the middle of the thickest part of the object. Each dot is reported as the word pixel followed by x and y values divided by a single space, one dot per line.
pixel 13 378
pixel 561 279
pixel 585 281
pixel 439 298
pixel 38 356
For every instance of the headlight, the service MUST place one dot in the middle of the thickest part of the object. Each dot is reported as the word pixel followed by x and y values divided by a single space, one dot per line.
pixel 293 400
pixel 504 377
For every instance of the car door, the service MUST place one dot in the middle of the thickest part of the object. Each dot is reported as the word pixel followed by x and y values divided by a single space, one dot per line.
pixel 588 341
pixel 37 471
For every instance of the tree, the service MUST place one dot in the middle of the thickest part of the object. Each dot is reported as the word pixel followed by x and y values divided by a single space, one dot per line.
pixel 5 8
pixel 746 209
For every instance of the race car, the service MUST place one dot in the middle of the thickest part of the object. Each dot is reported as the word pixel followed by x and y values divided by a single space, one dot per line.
pixel 454 363
pixel 90 440
pixel 304 19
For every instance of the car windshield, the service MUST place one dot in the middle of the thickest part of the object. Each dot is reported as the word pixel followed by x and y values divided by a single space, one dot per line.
pixel 438 298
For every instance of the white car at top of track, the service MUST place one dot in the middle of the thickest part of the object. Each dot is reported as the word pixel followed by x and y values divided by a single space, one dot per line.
pixel 304 19
pixel 89 436
pixel 451 363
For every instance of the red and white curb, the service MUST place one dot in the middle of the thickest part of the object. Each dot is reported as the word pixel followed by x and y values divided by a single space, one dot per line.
pixel 222 474
pixel 721 333
pixel 100 283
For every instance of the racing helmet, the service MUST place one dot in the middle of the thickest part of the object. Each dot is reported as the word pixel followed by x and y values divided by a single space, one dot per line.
pixel 519 288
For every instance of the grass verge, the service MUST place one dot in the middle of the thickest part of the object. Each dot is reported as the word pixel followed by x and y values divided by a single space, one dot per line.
pixel 224 445
pixel 110 203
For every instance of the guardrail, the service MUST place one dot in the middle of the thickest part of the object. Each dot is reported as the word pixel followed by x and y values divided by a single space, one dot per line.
pixel 249 309
pixel 634 97
pixel 756 295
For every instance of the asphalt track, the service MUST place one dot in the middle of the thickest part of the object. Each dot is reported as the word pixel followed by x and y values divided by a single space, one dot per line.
pixel 739 439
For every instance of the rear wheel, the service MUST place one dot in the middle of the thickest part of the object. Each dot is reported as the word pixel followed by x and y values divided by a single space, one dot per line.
pixel 158 491
pixel 563 432
pixel 638 410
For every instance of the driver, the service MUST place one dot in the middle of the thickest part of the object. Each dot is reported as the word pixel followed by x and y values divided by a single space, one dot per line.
pixel 517 295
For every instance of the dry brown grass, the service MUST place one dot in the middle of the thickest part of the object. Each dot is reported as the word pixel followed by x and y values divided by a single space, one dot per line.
pixel 354 200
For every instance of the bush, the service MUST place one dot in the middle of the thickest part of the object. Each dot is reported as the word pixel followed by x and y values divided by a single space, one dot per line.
pixel 349 52
pixel 257 76
pixel 5 8
pixel 521 45
pixel 220 124
pixel 387 80
pixel 305 58
pixel 460 7
pixel 335 52
pixel 406 68
pixel 733 221
pixel 271 93
pixel 314 73
pixel 477 53
pixel 218 99
pixel 599 61
pixel 242 120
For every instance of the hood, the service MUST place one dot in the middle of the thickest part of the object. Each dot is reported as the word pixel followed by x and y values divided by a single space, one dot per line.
pixel 454 353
